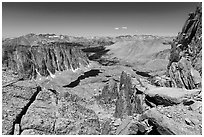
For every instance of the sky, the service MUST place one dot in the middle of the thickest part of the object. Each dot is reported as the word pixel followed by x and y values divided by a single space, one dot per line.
pixel 95 19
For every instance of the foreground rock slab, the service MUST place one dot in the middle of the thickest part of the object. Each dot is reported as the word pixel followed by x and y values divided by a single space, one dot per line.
pixel 15 101
pixel 169 96
pixel 168 123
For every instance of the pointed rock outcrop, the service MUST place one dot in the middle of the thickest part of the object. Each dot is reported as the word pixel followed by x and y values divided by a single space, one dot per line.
pixel 123 103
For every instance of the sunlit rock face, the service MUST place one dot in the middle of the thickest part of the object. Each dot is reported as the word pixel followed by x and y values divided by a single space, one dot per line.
pixel 44 60
pixel 185 64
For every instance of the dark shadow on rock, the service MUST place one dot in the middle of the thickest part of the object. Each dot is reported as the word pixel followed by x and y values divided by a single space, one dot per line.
pixel 24 110
pixel 93 49
pixel 91 73
pixel 144 74
pixel 98 55
pixel 154 130
pixel 97 52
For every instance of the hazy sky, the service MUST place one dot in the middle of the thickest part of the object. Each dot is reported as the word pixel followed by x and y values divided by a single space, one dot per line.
pixel 94 19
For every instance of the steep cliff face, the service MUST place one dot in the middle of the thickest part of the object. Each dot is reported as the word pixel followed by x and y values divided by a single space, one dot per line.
pixel 185 64
pixel 44 60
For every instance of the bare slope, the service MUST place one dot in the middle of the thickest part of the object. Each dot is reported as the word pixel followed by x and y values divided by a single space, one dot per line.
pixel 143 52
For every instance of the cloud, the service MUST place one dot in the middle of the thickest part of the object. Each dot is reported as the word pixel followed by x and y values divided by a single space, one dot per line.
pixel 120 28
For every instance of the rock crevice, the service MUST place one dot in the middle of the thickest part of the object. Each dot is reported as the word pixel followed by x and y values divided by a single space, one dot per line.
pixel 24 110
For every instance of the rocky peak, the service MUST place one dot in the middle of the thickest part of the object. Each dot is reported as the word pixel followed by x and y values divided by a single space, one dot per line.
pixel 186 53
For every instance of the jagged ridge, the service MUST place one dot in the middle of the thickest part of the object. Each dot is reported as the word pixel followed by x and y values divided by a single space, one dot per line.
pixel 45 59
pixel 185 64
